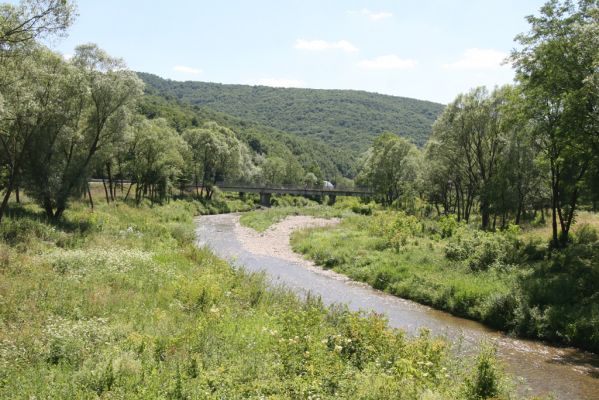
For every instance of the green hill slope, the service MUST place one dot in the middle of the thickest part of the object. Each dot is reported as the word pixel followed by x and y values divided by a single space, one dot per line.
pixel 346 119
pixel 262 140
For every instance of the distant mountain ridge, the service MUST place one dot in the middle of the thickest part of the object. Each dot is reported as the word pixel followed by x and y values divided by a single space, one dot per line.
pixel 348 120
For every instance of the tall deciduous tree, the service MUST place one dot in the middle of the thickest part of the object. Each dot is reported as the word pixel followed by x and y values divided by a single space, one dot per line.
pixel 557 70
pixel 390 167
pixel 156 158
pixel 216 155
pixel 101 91
pixel 22 24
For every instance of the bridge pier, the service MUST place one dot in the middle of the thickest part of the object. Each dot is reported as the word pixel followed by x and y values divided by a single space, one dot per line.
pixel 265 199
pixel 242 195
pixel 332 199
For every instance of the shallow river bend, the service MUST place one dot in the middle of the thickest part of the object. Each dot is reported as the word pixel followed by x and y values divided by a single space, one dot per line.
pixel 541 369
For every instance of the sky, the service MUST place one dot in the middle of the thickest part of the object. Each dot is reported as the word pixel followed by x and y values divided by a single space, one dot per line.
pixel 427 49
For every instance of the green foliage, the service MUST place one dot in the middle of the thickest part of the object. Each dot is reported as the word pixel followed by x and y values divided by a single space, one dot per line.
pixel 586 234
pixel 155 158
pixel 559 298
pixel 482 250
pixel 133 310
pixel 486 380
pixel 492 277
pixel 556 66
pixel 22 24
pixel 448 225
pixel 261 140
pixel 292 201
pixel 390 168
pixel 347 120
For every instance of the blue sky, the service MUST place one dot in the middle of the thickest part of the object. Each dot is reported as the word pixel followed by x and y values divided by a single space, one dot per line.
pixel 428 49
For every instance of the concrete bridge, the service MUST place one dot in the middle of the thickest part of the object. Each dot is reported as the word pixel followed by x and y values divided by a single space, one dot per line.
pixel 318 193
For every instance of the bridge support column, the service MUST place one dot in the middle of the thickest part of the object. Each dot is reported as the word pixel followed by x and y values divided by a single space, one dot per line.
pixel 265 199
pixel 242 195
pixel 332 199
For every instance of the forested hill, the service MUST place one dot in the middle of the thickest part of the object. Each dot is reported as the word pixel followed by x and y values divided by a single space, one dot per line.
pixel 348 119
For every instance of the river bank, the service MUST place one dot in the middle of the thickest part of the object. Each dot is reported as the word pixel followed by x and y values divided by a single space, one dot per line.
pixel 568 373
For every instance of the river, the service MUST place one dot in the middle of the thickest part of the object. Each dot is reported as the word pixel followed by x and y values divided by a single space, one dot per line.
pixel 539 369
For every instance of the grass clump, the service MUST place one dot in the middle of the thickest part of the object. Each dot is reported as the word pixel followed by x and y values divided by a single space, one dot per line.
pixel 120 304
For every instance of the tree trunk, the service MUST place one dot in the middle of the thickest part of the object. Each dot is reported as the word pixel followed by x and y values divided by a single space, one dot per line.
pixel 89 195
pixel 518 213
pixel 5 200
pixel 128 190
pixel 105 190
pixel 110 183
pixel 47 205
pixel 484 214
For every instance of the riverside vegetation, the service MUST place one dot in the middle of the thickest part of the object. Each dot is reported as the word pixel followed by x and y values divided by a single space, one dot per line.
pixel 120 303
pixel 509 280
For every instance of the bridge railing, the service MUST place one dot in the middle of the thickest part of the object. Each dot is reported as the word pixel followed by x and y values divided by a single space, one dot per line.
pixel 254 186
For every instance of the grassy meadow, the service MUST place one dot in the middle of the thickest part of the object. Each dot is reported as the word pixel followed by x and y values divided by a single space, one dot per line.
pixel 119 303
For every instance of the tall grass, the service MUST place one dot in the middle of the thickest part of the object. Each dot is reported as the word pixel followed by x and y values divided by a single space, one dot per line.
pixel 119 303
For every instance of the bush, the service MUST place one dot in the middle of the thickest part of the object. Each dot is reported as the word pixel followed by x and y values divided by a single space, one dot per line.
pixel 448 224
pixel 485 382
pixel 585 234
pixel 291 201
pixel 481 250
pixel 395 228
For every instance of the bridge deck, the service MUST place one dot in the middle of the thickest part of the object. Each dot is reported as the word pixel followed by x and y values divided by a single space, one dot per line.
pixel 295 191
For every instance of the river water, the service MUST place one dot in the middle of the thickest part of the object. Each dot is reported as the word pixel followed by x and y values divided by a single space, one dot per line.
pixel 539 369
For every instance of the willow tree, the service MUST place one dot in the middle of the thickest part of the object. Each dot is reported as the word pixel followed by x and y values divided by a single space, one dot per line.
pixel 42 102
pixel 22 24
pixel 390 167
pixel 557 69
pixel 100 92
pixel 156 158
pixel 216 155
pixel 25 90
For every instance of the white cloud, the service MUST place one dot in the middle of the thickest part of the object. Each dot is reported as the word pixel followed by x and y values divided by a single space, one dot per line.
pixel 187 70
pixel 373 15
pixel 322 45
pixel 390 61
pixel 479 59
pixel 278 82
pixel 67 56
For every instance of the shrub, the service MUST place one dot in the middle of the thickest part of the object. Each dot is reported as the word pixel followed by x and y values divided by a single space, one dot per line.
pixel 448 224
pixel 481 250
pixel 485 382
pixel 291 201
pixel 586 234
pixel 395 228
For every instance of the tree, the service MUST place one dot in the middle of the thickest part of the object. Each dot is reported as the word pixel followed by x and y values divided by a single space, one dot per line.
pixel 389 167
pixel 33 19
pixel 100 92
pixel 41 103
pixel 216 155
pixel 557 71
pixel 467 143
pixel 26 94
pixel 273 171
pixel 156 158
pixel 310 180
